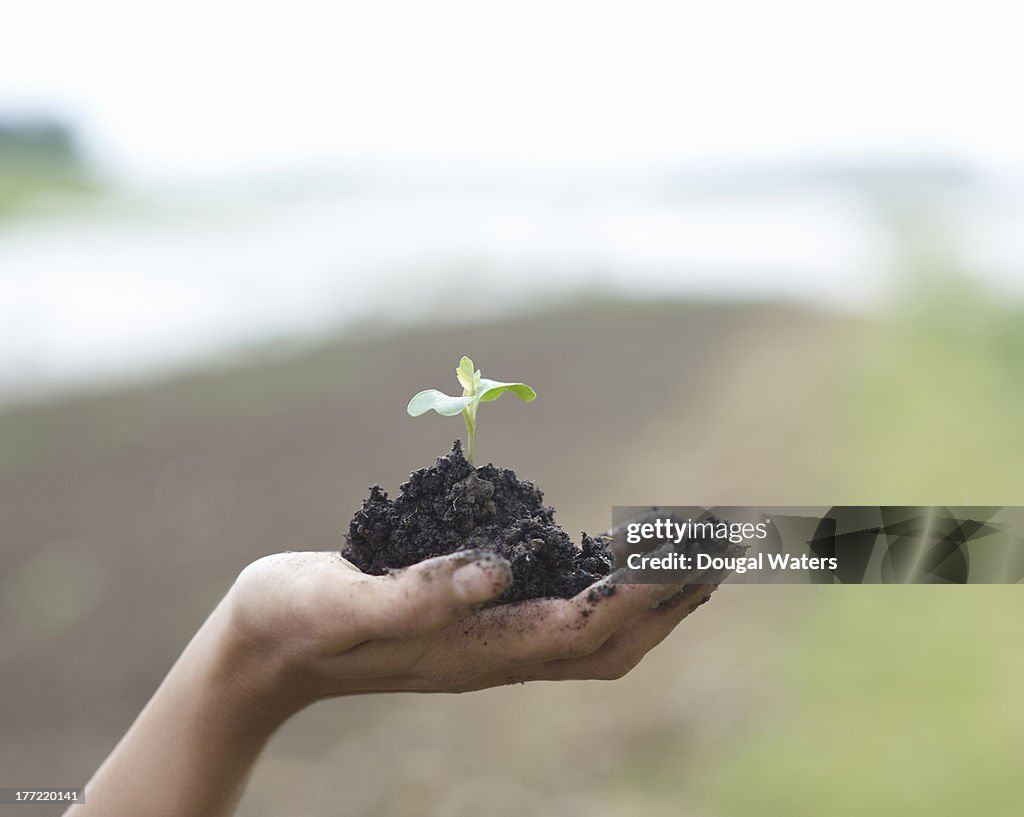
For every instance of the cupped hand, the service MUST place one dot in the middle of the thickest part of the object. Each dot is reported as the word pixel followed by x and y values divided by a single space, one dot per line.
pixel 299 627
pixel 314 626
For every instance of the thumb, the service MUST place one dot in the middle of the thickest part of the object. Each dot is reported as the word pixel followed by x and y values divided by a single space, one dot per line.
pixel 434 593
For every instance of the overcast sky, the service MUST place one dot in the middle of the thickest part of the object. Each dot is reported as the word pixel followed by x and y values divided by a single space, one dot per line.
pixel 197 86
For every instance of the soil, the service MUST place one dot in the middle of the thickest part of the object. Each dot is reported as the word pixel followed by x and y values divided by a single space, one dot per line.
pixel 453 506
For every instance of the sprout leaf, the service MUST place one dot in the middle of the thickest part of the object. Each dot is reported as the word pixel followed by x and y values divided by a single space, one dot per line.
pixel 492 389
pixel 475 390
pixel 432 399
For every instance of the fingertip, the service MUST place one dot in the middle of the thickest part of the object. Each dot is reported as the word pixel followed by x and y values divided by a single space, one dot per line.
pixel 483 579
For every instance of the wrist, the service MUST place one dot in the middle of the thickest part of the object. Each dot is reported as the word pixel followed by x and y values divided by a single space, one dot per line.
pixel 251 680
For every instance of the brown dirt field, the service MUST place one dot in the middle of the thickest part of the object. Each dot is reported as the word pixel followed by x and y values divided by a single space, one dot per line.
pixel 125 516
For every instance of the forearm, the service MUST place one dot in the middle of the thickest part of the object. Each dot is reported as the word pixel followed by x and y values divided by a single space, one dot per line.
pixel 193 746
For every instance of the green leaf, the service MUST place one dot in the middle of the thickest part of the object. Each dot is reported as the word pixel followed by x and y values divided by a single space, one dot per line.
pixel 466 375
pixel 432 399
pixel 492 389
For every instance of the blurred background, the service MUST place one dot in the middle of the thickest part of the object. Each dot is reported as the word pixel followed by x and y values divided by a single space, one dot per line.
pixel 746 253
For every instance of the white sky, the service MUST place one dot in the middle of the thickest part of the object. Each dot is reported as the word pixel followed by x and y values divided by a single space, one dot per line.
pixel 198 86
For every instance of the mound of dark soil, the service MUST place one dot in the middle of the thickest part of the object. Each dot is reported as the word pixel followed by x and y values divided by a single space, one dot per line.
pixel 454 506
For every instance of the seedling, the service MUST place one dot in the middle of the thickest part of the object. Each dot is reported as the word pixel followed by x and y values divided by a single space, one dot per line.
pixel 475 390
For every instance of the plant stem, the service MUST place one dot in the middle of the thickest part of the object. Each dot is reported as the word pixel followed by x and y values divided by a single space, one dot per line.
pixel 469 415
pixel 469 412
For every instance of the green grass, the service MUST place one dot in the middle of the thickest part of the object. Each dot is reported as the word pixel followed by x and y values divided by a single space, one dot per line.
pixel 901 701
pixel 894 700
pixel 933 412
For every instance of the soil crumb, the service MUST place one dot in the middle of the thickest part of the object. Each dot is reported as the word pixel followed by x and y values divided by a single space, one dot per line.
pixel 453 506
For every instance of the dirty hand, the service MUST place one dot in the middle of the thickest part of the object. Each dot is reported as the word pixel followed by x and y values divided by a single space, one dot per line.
pixel 306 626
pixel 298 627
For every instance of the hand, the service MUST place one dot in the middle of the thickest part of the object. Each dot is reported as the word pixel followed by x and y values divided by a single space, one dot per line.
pixel 318 627
pixel 298 627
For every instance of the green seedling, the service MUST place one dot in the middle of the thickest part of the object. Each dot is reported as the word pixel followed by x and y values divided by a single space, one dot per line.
pixel 475 390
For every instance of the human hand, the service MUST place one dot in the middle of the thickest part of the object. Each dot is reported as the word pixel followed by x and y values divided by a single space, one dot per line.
pixel 299 627
pixel 306 626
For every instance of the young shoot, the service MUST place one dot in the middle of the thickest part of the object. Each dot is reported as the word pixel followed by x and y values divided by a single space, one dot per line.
pixel 475 390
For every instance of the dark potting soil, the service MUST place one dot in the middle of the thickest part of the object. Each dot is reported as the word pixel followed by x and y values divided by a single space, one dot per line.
pixel 453 506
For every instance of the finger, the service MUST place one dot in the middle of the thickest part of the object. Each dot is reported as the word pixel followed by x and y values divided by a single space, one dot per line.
pixel 616 536
pixel 519 642
pixel 529 632
pixel 627 647
pixel 610 604
pixel 540 631
pixel 423 598
pixel 619 654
